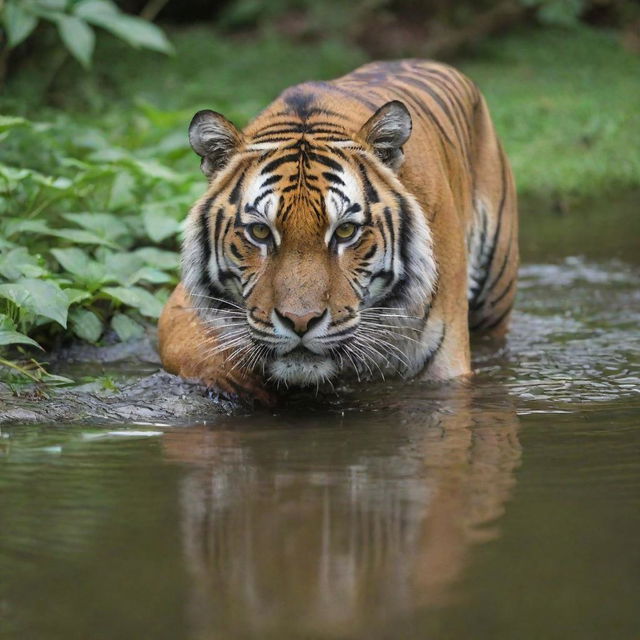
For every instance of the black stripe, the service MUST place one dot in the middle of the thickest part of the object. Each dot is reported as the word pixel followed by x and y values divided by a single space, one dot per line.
pixel 262 196
pixel 355 95
pixel 333 138
pixel 479 303
pixel 370 253
pixel 295 124
pixel 404 93
pixel 507 289
pixel 388 217
pixel 369 190
pixel 204 238
pixel 234 251
pixel 274 164
pixel 434 352
pixel 271 180
pixel 342 332
pixel 337 323
pixel 438 98
pixel 496 235
pixel 449 87
pixel 295 129
pixel 404 233
pixel 216 236
pixel 234 196
pixel 281 138
pixel 332 177
pixel 339 194
pixel 481 325
pixel 327 162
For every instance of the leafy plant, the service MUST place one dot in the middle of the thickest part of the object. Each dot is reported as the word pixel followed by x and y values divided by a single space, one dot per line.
pixel 78 243
pixel 74 21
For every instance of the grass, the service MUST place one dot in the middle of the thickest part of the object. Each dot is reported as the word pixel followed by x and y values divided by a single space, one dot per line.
pixel 564 101
pixel 96 174
pixel 566 107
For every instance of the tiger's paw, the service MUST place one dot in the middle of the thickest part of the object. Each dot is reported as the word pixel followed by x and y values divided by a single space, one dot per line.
pixel 231 391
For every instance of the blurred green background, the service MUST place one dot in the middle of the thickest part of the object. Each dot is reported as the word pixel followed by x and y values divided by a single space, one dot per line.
pixel 95 97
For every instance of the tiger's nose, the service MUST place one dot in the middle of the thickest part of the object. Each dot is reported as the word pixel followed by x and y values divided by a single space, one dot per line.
pixel 300 323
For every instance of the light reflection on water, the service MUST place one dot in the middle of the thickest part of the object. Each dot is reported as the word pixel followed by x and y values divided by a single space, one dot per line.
pixel 507 506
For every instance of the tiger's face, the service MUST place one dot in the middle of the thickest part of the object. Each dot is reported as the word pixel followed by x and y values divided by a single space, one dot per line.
pixel 307 256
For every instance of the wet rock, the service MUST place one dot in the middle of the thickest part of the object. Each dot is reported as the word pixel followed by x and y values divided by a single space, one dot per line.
pixel 159 397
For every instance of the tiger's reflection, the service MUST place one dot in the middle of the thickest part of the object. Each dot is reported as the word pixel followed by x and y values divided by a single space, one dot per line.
pixel 341 525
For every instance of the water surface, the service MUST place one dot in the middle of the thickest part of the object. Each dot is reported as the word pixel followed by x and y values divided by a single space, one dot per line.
pixel 503 507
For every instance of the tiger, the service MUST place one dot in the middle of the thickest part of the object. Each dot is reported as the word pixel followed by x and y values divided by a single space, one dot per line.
pixel 357 228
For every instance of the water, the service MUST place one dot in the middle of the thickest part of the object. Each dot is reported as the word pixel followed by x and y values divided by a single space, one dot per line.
pixel 505 507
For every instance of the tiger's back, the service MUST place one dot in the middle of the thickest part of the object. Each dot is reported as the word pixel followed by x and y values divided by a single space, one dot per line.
pixel 403 151
pixel 453 133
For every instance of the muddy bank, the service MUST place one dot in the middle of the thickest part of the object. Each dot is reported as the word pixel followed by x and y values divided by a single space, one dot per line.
pixel 159 397
pixel 128 385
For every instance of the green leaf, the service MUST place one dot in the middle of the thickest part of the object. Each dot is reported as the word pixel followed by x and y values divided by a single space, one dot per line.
pixel 134 31
pixel 78 263
pixel 103 225
pixel 153 169
pixel 16 226
pixel 159 258
pixel 74 260
pixel 76 295
pixel 86 324
pixel 78 37
pixel 57 183
pixel 18 262
pixel 14 337
pixel 121 267
pixel 151 275
pixel 6 323
pixel 11 122
pixel 126 328
pixel 159 225
pixel 138 298
pixel 122 191
pixel 86 9
pixel 77 236
pixel 80 236
pixel 53 5
pixel 13 177
pixel 40 297
pixel 18 22
pixel 53 379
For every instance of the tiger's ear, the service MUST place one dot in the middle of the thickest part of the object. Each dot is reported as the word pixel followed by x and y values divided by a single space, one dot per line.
pixel 386 131
pixel 214 139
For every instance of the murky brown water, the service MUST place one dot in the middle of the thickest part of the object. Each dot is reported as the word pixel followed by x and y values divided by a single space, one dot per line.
pixel 507 507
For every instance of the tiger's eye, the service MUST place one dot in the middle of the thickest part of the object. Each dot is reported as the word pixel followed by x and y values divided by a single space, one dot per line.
pixel 346 231
pixel 259 232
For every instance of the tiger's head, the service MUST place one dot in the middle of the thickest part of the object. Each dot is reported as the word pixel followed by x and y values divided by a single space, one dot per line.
pixel 307 255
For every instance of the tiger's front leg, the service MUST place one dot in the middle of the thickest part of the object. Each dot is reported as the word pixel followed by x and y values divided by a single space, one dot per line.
pixel 188 349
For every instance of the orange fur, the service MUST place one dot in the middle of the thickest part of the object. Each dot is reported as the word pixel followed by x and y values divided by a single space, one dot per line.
pixel 436 209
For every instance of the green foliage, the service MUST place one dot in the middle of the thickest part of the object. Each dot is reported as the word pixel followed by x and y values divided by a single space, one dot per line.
pixel 564 13
pixel 74 20
pixel 79 227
